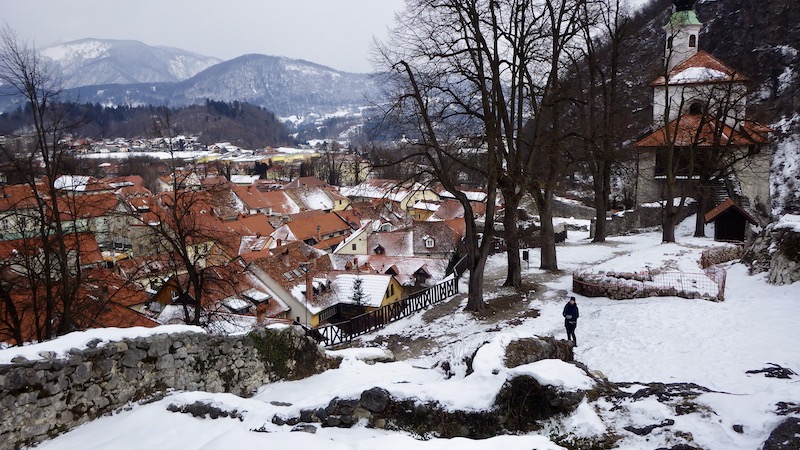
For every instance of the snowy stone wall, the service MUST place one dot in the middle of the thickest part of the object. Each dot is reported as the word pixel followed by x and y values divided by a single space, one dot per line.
pixel 43 398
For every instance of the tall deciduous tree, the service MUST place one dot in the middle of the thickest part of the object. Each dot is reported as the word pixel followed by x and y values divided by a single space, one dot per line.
pixel 53 271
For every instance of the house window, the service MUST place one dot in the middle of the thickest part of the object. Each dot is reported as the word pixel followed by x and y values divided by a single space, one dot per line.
pixel 391 289
pixel 692 41
pixel 669 42
pixel 354 246
pixel 429 242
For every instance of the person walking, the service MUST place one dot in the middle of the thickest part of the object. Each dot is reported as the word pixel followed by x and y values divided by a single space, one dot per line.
pixel 571 319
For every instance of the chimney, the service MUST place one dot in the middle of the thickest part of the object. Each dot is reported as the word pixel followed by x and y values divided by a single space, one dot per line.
pixel 261 313
pixel 309 287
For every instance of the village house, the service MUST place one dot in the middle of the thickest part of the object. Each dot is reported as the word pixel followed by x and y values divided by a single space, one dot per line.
pixel 405 194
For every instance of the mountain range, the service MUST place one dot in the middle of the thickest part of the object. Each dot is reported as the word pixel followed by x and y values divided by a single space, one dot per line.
pixel 119 72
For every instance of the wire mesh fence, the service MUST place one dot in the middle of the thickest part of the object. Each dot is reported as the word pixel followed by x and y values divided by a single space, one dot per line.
pixel 708 285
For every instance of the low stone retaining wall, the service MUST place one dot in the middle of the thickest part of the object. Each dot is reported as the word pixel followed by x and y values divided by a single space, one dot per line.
pixel 719 255
pixel 43 398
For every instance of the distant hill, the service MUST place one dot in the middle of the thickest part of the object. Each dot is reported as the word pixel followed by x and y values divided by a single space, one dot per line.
pixel 88 62
pixel 116 73
pixel 242 124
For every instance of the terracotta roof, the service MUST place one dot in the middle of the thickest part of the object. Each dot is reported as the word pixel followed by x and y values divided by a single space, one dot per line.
pixel 306 228
pixel 252 197
pixel 84 242
pixel 304 181
pixel 103 300
pixel 724 206
pixel 252 225
pixel 697 130
pixel 16 196
pixel 282 205
pixel 88 206
pixel 712 71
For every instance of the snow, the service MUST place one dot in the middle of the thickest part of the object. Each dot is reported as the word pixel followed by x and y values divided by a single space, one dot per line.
pixel 698 75
pixel 789 221
pixel 79 339
pixel 666 339
pixel 71 182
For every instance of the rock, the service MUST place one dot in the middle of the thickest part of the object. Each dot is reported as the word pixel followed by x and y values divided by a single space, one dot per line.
pixel 526 351
pixel 786 436
pixel 305 428
pixel 375 400
pixel 523 402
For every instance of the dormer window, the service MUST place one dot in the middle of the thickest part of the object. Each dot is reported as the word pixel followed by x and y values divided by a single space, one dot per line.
pixel 429 243
pixel 692 41
pixel 696 108
pixel 379 250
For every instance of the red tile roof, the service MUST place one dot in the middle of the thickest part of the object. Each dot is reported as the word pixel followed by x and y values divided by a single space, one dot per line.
pixel 697 130
pixel 703 60
pixel 724 206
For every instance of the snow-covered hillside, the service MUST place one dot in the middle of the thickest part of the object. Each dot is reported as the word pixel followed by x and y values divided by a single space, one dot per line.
pixel 669 340
pixel 89 62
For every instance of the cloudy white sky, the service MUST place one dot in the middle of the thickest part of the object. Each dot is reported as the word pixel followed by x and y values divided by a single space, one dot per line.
pixel 335 33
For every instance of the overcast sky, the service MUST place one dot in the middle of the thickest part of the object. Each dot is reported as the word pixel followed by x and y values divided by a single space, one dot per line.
pixel 335 33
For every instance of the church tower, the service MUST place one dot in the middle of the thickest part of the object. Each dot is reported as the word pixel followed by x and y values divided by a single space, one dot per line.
pixel 683 30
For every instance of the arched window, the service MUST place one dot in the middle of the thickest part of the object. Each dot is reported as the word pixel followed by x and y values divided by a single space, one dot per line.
pixel 692 41
pixel 696 108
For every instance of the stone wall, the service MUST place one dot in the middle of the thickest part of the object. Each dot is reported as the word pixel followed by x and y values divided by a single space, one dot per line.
pixel 43 398
pixel 643 217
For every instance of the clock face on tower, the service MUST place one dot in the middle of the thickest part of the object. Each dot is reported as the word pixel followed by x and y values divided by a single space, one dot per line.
pixel 683 5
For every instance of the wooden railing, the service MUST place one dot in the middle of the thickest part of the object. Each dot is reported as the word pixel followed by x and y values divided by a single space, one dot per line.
pixel 337 333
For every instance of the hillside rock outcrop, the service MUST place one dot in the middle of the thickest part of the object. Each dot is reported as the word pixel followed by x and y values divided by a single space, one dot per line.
pixel 776 250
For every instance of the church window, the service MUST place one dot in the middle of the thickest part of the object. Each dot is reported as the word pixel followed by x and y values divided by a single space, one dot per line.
pixel 692 41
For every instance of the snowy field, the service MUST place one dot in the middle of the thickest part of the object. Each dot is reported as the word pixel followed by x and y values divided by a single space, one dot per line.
pixel 665 339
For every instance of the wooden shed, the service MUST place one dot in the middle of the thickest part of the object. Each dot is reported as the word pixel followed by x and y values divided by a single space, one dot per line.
pixel 730 221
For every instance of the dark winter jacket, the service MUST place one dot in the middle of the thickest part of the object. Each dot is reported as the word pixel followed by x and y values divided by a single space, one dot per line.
pixel 571 312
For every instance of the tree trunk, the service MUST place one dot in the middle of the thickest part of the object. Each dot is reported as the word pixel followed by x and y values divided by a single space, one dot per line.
pixel 601 192
pixel 703 206
pixel 510 216
pixel 669 221
pixel 475 301
pixel 547 239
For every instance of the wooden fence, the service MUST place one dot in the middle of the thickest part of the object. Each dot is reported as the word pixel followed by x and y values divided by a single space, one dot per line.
pixel 332 334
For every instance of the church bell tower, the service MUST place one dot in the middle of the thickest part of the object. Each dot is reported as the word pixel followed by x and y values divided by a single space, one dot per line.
pixel 683 30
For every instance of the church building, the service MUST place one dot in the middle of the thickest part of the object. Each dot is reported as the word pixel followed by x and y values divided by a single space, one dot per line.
pixel 699 118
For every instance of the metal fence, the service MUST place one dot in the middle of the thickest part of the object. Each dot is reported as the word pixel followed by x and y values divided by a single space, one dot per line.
pixel 337 333
pixel 709 284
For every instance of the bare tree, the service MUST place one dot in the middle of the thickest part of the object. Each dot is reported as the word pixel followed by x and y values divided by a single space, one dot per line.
pixel 604 28
pixel 54 274
pixel 195 253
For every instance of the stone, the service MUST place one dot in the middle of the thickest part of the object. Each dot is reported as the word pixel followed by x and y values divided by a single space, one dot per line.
pixel 305 428
pixel 165 362
pixel 375 400
pixel 83 373
pixel 133 357
pixel 159 347
pixel 786 436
